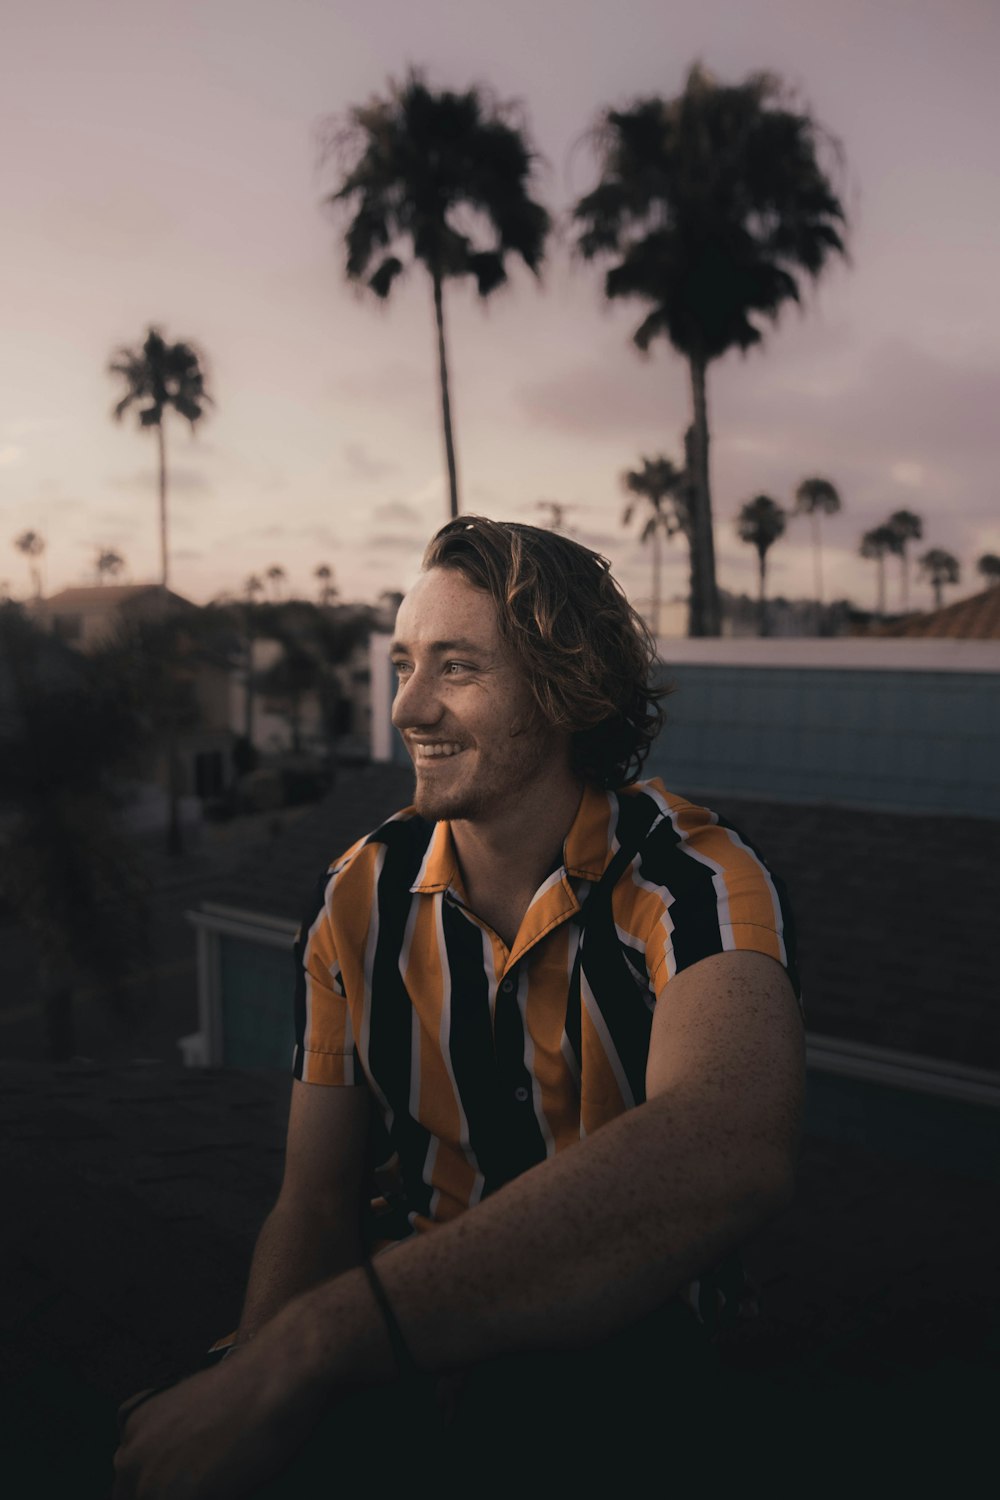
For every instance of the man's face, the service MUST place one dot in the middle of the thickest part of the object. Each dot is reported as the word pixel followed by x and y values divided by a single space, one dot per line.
pixel 463 706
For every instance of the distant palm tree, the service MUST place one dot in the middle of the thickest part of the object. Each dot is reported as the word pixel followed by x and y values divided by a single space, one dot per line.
pixel 908 528
pixel 420 167
pixel 276 576
pixel 988 567
pixel 162 375
pixel 252 586
pixel 876 545
pixel 817 497
pixel 715 204
pixel 663 488
pixel 327 588
pixel 761 522
pixel 109 563
pixel 939 567
pixel 32 545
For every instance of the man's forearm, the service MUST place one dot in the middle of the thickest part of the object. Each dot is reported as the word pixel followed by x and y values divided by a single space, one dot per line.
pixel 296 1250
pixel 573 1249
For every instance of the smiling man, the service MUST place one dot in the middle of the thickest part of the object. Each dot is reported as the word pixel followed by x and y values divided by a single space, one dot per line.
pixel 555 1007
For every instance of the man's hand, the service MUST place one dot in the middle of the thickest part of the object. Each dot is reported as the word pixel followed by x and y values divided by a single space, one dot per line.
pixel 219 1434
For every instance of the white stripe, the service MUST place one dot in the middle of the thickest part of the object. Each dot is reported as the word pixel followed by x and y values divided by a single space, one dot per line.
pixel 364 1040
pixel 404 963
pixel 594 1012
pixel 423 865
pixel 529 1063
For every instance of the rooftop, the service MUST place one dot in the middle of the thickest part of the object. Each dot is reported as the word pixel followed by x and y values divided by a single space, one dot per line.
pixel 974 619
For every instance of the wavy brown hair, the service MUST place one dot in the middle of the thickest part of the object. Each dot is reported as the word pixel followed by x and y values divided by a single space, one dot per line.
pixel 586 654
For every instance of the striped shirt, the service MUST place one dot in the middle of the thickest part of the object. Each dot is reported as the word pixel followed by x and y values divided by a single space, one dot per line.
pixel 484 1059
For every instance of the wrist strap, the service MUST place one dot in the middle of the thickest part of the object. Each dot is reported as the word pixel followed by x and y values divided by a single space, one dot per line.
pixel 406 1369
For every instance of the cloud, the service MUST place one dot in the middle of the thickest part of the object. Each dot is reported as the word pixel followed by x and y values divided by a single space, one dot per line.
pixel 397 511
pixel 389 541
pixel 10 455
pixel 363 465
pixel 396 380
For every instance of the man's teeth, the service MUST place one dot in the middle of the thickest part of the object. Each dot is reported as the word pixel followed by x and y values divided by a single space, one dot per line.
pixel 437 750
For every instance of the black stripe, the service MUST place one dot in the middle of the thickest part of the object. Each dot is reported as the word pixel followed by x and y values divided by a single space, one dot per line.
pixel 694 910
pixel 470 1044
pixel 524 1141
pixel 390 1014
pixel 608 973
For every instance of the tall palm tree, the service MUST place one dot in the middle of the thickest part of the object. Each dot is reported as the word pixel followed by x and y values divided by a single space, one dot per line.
pixel 663 488
pixel 908 528
pixel 876 545
pixel 276 577
pixel 817 497
pixel 715 203
pixel 939 567
pixel 32 544
pixel 161 375
pixel 417 166
pixel 988 567
pixel 327 587
pixel 761 522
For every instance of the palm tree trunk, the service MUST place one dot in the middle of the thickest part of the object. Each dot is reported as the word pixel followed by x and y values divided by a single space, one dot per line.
pixel 163 503
pixel 938 587
pixel 905 566
pixel 818 557
pixel 761 594
pixel 881 586
pixel 449 442
pixel 656 582
pixel 704 614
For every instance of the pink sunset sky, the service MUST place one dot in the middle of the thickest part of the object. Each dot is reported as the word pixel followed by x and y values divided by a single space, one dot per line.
pixel 159 165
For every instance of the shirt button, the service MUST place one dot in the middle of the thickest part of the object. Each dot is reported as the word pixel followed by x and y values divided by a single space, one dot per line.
pixel 521 1095
pixel 507 986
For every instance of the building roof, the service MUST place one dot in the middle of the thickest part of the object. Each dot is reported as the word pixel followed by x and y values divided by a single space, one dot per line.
pixel 974 619
pixel 84 598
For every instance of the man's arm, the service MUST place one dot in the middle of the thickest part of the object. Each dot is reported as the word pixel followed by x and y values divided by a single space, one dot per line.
pixel 313 1231
pixel 576 1247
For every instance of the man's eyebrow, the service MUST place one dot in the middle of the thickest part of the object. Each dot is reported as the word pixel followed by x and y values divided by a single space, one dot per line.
pixel 470 648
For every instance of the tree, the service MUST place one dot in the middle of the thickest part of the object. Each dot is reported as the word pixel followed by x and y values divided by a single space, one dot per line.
pixel 327 587
pixel 663 487
pixel 109 563
pixel 425 169
pixel 876 545
pixel 276 577
pixel 162 375
pixel 939 567
pixel 32 545
pixel 68 871
pixel 908 528
pixel 817 497
pixel 715 203
pixel 988 567
pixel 761 522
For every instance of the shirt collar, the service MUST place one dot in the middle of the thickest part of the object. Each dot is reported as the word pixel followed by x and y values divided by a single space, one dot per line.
pixel 586 852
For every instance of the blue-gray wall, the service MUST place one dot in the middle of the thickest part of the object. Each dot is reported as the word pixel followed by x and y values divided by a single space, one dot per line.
pixel 900 740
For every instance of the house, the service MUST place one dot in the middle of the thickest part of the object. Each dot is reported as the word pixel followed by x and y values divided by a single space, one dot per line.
pixel 85 617
pixel 974 619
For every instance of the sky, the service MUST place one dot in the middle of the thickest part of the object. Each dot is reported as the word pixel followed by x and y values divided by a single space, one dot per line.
pixel 160 165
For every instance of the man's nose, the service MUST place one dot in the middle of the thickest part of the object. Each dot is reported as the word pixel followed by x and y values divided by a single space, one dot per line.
pixel 416 703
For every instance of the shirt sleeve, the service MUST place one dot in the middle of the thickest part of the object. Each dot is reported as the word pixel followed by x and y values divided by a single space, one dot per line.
pixel 325 1052
pixel 717 895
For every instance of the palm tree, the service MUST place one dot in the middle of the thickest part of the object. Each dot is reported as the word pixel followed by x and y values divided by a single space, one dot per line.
pixel 876 545
pixel 663 487
pixel 161 375
pixel 32 545
pixel 276 576
pixel 327 588
pixel 939 567
pixel 908 528
pixel 715 203
pixel 988 567
pixel 108 563
pixel 761 522
pixel 817 497
pixel 416 167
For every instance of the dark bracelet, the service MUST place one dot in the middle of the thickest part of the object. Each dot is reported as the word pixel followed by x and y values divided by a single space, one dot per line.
pixel 406 1368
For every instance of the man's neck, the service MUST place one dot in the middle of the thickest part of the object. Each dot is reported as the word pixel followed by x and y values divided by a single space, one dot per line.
pixel 506 858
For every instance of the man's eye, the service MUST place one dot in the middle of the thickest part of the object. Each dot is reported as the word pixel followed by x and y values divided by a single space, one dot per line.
pixel 455 668
pixel 402 668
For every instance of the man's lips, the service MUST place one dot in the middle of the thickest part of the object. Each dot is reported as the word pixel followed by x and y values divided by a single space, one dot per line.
pixel 426 751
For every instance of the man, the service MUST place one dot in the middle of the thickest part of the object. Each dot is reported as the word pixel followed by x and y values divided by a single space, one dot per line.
pixel 564 997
